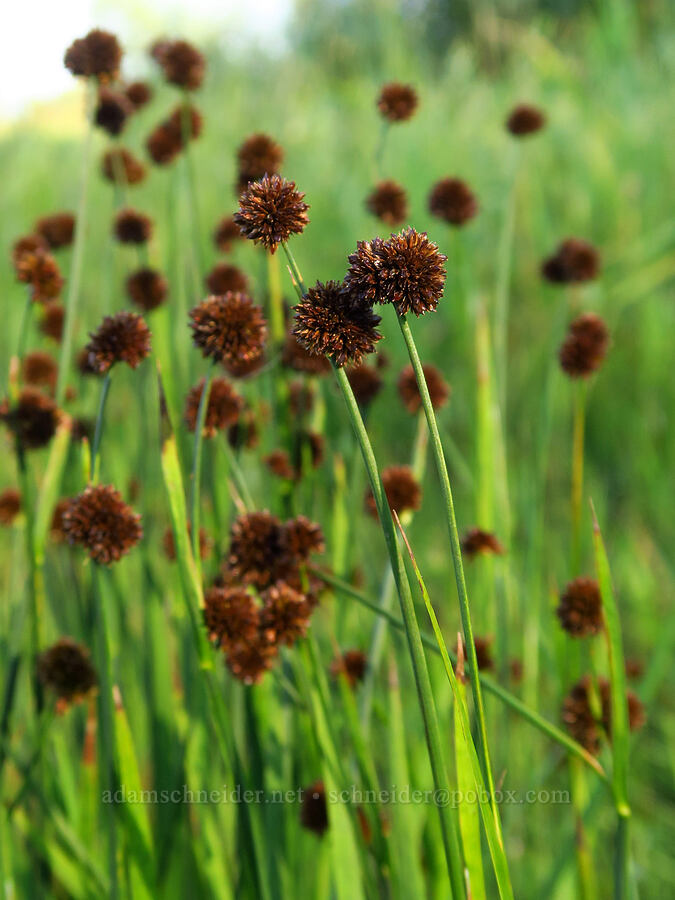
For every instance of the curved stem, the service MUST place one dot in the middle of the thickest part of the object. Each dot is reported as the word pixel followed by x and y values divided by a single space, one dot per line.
pixel 195 477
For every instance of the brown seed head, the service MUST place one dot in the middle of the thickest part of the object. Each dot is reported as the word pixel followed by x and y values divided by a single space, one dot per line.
pixel 243 368
pixel 222 411
pixel 573 262
pixel 164 144
pixel 406 270
pixel 258 553
pixel 525 120
pixel 112 111
pixel 476 541
pixel 585 347
pixel 397 102
pixel 401 488
pixel 185 121
pixel 250 660
pixel 121 165
pixel 41 271
pixel 329 321
pixel 453 201
pixel 314 809
pixel 270 211
pixel 259 155
pixel 580 608
pixel 279 464
pixel 182 63
pixel 39 369
pixel 123 337
pixel 578 717
pixel 353 664
pixel 296 356
pixel 366 382
pixel 147 289
pixel 439 389
pixel 231 616
pixel 228 328
pixel 224 277
pixel 226 233
pixel 388 202
pixel 169 544
pixel 51 322
pixel 98 54
pixel 57 229
pixel 102 523
pixel 33 418
pixel 132 227
pixel 302 538
pixel 244 434
pixel 138 93
pixel 28 244
pixel 66 669
pixel 10 505
pixel 285 614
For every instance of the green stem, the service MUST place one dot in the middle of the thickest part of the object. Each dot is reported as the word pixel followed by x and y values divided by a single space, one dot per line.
pixel 502 292
pixel 451 521
pixel 186 126
pixel 622 858
pixel 298 282
pixel 196 474
pixel 577 474
pixel 78 251
pixel 423 683
pixel 23 331
pixel 276 308
pixel 98 430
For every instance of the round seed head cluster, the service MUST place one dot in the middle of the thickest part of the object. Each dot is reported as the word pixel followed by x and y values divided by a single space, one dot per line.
pixel 258 155
pixel 121 165
pixel 10 505
pixel 138 93
pixel 147 289
pixel 102 523
pixel 397 102
pixel 388 202
pixel 401 488
pixel 226 233
pixel 51 323
pixel 353 664
pixel 183 64
pixel 224 277
pixel 98 54
pixel 33 418
pixel 57 230
pixel 314 809
pixel 478 542
pixel 573 262
pixel 439 390
pixel 39 369
pixel 453 201
pixel 366 383
pixel 66 669
pixel 123 337
pixel 229 328
pixel 525 120
pixel 580 607
pixel 580 721
pixel 132 227
pixel 112 111
pixel 297 357
pixel 41 271
pixel 270 211
pixel 223 408
pixel 585 347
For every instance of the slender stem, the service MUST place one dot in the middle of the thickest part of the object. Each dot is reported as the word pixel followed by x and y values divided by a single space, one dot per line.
pixel 298 281
pixel 502 292
pixel 98 430
pixel 622 858
pixel 379 150
pixel 276 308
pixel 577 474
pixel 78 251
pixel 195 477
pixel 25 322
pixel 451 521
pixel 424 691
pixel 186 126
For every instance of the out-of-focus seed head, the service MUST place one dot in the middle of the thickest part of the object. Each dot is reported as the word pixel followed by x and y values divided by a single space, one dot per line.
pixel 51 323
pixel 57 229
pixel 224 277
pixel 169 544
pixel 314 809
pixel 223 409
pixel 66 669
pixel 132 227
pixel 112 111
pixel 270 211
pixel 244 368
pixel 478 542
pixel 231 616
pixel 578 717
pixel 524 120
pixel 297 357
pixel 138 93
pixel 29 244
pixel 244 434
pixel 388 202
pixel 330 322
pixel 300 398
pixel 258 553
pixel 279 464
pixel 147 289
pixel 585 347
pixel 439 389
pixel 98 54
pixel 573 262
pixel 302 538
pixel 182 63
pixel 120 165
pixel 250 660
pixel 164 144
pixel 186 122
pixel 406 270
pixel 453 201
pixel 228 328
pixel 397 102
pixel 259 155
pixel 123 337
pixel 102 523
pixel 39 369
pixel 10 505
pixel 580 607
pixel 226 233
pixel 353 664
pixel 285 614
pixel 401 488
pixel 41 271
pixel 366 382
pixel 33 418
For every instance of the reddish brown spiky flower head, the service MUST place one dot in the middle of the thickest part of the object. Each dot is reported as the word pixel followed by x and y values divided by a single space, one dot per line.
pixel 132 227
pixel 121 165
pixel 303 538
pixel 279 464
pixel 406 270
pixel 147 289
pixel 66 669
pixel 39 369
pixel 285 614
pixel 33 418
pixel 573 262
pixel 226 233
pixel 476 541
pixel 223 409
pixel 28 244
pixel 353 664
pixel 243 368
pixel 314 809
pixel 525 120
pixel 329 321
pixel 366 383
pixel 123 337
pixel 453 201
pixel 397 102
pixel 582 724
pixel 401 488
pixel 163 144
pixel 57 229
pixel 231 615
pixel 102 523
pixel 169 544
pixel 41 271
pixel 585 347
pixel 10 505
pixel 580 607
pixel 224 277
pixel 138 93
pixel 388 202
pixel 250 660
pixel 228 328
pixel 112 111
pixel 270 211
pixel 98 54
pixel 183 64
pixel 51 323
pixel 297 357
pixel 439 389
pixel 259 155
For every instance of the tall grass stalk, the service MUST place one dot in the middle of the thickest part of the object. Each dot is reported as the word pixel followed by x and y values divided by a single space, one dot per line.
pixel 196 473
pixel 577 475
pixel 98 430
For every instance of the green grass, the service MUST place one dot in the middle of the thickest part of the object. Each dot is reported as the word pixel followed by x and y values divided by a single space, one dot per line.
pixel 604 170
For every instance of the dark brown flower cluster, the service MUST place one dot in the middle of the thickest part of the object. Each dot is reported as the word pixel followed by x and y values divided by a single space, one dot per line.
pixel 243 435
pixel 51 323
pixel 33 418
pixel 147 289
pixel 224 277
pixel 183 64
pixel 573 262
pixel 66 669
pixel 308 448
pixel 580 607
pixel 297 357
pixel 170 136
pixel 366 383
pixel 406 270
pixel 169 543
pixel 270 211
pixel 10 505
pixel 259 155
pixel 123 337
pixel 98 54
pixel 401 488
pixel 57 230
pixel 353 664
pixel 388 202
pixel 222 411
pixel 585 347
pixel 138 93
pixel 39 369
pixel 112 111
pixel 314 809
pixel 397 102
pixel 329 321
pixel 525 120
pixel 229 328
pixel 102 523
pixel 438 388
pixel 478 542
pixel 226 233
pixel 37 268
pixel 132 227
pixel 453 201
pixel 586 725
pixel 121 166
